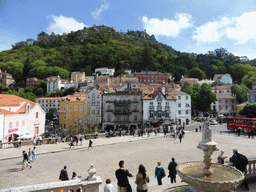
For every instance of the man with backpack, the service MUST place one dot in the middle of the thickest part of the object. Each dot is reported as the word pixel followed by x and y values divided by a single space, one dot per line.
pixel 240 161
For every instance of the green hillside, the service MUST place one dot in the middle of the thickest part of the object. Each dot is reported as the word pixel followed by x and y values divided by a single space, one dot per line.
pixel 101 46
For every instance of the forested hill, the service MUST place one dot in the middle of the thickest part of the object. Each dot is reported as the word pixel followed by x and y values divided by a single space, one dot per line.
pixel 101 46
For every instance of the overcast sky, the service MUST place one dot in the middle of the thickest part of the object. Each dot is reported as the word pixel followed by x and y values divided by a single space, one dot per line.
pixel 196 26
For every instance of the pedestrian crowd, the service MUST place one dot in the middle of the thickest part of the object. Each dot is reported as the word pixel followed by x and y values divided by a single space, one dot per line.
pixel 28 157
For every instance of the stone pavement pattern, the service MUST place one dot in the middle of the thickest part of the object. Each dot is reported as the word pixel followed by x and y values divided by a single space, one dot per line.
pixel 106 154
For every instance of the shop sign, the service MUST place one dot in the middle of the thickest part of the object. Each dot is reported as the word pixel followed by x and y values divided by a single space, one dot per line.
pixel 13 130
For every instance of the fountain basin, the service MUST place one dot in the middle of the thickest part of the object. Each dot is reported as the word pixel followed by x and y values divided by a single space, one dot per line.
pixel 224 177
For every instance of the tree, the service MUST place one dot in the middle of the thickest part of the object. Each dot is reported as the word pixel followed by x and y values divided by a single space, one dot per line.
pixel 249 110
pixel 197 73
pixel 206 97
pixel 49 114
pixel 240 91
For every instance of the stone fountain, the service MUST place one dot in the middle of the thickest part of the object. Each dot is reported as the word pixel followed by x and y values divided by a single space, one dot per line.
pixel 207 176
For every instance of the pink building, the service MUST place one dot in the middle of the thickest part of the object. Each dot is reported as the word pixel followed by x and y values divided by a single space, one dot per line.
pixel 20 117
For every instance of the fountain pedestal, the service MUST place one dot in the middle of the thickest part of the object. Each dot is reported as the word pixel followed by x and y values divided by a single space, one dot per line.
pixel 207 176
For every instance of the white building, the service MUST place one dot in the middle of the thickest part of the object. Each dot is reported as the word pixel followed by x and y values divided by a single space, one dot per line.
pixel 49 102
pixel 56 83
pixel 94 103
pixel 206 81
pixel 223 78
pixel 20 117
pixel 170 107
pixel 105 71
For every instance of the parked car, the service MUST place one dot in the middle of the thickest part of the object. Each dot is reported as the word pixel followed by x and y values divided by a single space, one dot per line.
pixel 213 122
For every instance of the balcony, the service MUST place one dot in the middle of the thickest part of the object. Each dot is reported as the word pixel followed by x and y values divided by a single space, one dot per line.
pixel 159 107
pixel 109 101
pixel 151 107
pixel 123 102
pixel 122 111
pixel 167 107
pixel 109 110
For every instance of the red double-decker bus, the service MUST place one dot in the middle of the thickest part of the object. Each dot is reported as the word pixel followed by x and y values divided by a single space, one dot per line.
pixel 234 123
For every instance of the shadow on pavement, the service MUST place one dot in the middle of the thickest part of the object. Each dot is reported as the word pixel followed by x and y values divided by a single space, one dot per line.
pixel 14 170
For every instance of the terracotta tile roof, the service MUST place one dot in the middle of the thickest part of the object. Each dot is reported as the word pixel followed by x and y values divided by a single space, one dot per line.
pixel 22 109
pixel 13 100
pixel 74 98
pixel 224 96
pixel 5 112
pixel 153 94
pixel 221 87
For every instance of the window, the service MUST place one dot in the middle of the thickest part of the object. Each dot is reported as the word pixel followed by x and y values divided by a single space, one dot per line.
pixel 167 115
pixel 70 108
pixel 81 108
pixel 233 107
pixel 23 123
pixel 179 97
pixel 220 107
pixel 98 112
pixel 159 114
pixel 93 95
pixel 135 107
pixel 89 96
pixel 151 114
pixel 10 125
pixel 64 117
pixel 232 101
pixel 186 97
pixel 159 103
pixel 109 107
pixel 17 124
pixel 135 98
pixel 186 111
pixel 179 104
pixel 226 107
pixel 219 91
pixel 151 103
pixel 179 112
pixel 75 108
pixel 64 108
pixel 36 130
pixel 220 101
pixel 109 119
pixel 167 103
pixel 88 103
pixel 36 114
pixel 135 117
pixel 93 111
pixel 98 96
pixel 75 118
pixel 93 103
pixel 70 117
pixel 226 101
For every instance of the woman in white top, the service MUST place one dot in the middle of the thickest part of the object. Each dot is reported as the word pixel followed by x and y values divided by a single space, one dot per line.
pixel 108 186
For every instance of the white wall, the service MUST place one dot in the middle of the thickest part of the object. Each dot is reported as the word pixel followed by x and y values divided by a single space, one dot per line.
pixel 1 127
pixel 183 101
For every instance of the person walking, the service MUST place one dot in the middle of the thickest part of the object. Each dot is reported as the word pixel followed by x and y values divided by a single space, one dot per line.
pixel 71 144
pixel 34 153
pixel 240 161
pixel 64 174
pixel 252 133
pixel 122 178
pixel 30 155
pixel 180 136
pixel 159 173
pixel 108 187
pixel 90 144
pixel 25 160
pixel 81 140
pixel 172 170
pixel 142 179
pixel 40 140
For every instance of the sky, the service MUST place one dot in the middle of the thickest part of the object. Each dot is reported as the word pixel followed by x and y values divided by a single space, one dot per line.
pixel 193 26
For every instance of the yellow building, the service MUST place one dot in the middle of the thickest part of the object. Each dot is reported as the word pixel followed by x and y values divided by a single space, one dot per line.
pixel 78 76
pixel 72 112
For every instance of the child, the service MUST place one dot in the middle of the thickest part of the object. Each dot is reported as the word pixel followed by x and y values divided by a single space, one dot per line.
pixel 108 186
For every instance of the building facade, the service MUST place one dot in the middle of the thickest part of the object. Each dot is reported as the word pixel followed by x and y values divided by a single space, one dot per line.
pixel 93 110
pixel 105 71
pixel 251 94
pixel 47 103
pixel 148 77
pixel 222 89
pixel 20 117
pixel 192 81
pixel 223 78
pixel 54 83
pixel 32 82
pixel 6 79
pixel 122 110
pixel 71 113
pixel 78 76
pixel 225 105
pixel 157 108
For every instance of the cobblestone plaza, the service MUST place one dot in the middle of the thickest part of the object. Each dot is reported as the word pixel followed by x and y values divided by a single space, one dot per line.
pixel 106 154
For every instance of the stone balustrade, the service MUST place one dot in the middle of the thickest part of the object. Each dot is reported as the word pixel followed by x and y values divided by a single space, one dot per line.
pixel 250 172
pixel 84 185
pixel 89 184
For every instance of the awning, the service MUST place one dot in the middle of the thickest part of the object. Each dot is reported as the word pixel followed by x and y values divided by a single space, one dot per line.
pixel 154 122
pixel 18 131
pixel 26 136
pixel 167 122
